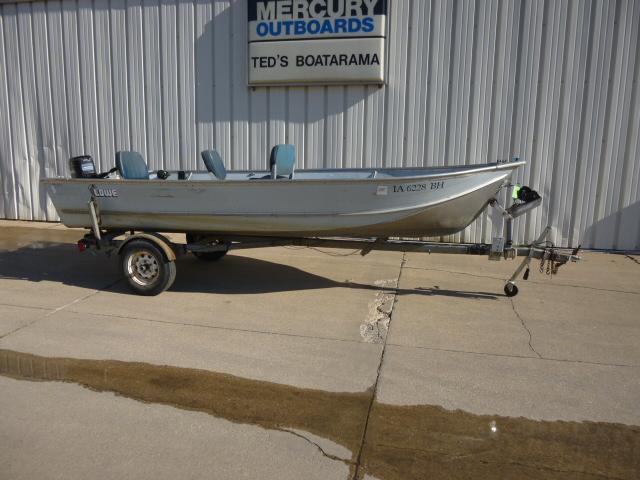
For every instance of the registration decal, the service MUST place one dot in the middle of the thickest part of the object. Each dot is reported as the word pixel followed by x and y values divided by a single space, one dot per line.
pixel 418 187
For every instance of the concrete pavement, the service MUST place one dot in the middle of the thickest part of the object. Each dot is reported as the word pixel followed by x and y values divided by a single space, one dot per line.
pixel 298 327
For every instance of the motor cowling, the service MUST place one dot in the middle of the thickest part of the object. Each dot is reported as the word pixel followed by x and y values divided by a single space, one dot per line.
pixel 82 166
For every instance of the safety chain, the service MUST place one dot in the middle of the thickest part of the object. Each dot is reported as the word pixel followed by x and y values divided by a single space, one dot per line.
pixel 550 261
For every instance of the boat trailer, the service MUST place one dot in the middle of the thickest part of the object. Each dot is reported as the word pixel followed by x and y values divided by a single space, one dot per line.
pixel 148 258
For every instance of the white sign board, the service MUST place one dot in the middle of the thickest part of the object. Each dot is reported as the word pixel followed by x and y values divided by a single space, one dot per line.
pixel 316 42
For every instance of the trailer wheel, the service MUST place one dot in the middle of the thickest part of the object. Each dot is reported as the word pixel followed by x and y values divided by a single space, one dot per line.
pixel 206 256
pixel 510 289
pixel 146 269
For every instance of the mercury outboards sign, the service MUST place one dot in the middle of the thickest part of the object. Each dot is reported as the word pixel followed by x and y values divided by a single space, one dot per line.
pixel 303 42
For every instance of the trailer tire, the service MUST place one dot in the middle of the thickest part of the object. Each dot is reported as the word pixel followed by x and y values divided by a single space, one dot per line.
pixel 146 268
pixel 206 256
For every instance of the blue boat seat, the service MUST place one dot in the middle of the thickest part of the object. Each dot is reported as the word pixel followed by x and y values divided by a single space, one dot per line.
pixel 214 164
pixel 131 165
pixel 282 161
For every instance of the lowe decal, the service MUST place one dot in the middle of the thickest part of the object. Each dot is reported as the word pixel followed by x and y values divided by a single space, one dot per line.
pixel 103 192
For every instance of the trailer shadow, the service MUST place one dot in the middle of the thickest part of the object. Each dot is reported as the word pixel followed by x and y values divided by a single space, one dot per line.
pixel 60 262
pixel 236 274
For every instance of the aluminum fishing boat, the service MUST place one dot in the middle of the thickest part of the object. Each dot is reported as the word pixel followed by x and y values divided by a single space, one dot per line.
pixel 282 201
pixel 220 211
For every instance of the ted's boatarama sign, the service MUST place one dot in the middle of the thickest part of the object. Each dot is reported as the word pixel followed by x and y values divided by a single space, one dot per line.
pixel 295 42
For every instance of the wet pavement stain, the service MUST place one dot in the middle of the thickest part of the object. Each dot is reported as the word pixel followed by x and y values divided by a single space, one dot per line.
pixel 13 238
pixel 402 442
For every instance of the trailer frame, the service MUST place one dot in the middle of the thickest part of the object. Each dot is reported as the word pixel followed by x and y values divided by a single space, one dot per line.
pixel 159 252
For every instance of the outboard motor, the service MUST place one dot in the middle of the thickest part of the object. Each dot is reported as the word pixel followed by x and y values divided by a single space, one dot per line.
pixel 82 166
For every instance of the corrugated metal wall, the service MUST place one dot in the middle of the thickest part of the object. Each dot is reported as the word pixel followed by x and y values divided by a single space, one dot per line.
pixel 554 82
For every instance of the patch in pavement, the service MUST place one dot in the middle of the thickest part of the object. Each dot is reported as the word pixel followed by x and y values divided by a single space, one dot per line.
pixel 375 327
pixel 402 442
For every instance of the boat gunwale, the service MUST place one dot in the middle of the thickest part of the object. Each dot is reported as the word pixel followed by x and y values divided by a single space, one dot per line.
pixel 408 210
pixel 457 170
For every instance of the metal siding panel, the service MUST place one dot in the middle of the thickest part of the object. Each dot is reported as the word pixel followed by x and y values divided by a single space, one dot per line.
pixel 486 16
pixel 492 51
pixel 628 227
pixel 45 141
pixel 296 121
pixel 373 136
pixel 8 200
pixel 136 66
pixel 204 61
pixel 397 67
pixel 615 136
pixel 549 110
pixel 85 130
pixel 601 226
pixel 186 89
pixel 277 115
pixel 559 176
pixel 416 105
pixel 567 207
pixel 20 155
pixel 169 86
pixel 118 49
pixel 32 117
pixel 505 72
pixel 153 100
pixel 437 84
pixel 240 92
pixel 314 142
pixel 222 78
pixel 502 70
pixel 258 136
pixel 334 128
pixel 555 83
pixel 599 60
pixel 353 126
pixel 74 95
pixel 460 83
pixel 526 103
pixel 104 90
pixel 56 60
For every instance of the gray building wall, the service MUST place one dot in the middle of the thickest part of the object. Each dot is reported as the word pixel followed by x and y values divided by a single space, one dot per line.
pixel 553 82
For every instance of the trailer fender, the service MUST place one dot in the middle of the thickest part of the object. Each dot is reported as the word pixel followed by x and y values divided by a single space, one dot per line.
pixel 161 241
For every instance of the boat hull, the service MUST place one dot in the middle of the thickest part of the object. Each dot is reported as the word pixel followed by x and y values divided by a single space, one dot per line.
pixel 425 204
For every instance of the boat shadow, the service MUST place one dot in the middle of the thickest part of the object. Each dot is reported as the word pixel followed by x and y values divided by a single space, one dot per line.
pixel 58 263
pixel 233 275
pixel 236 274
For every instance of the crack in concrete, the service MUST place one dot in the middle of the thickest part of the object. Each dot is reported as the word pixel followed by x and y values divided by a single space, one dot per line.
pixel 216 327
pixel 507 355
pixel 56 310
pixel 322 451
pixel 374 388
pixel 555 283
pixel 27 307
pixel 524 325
